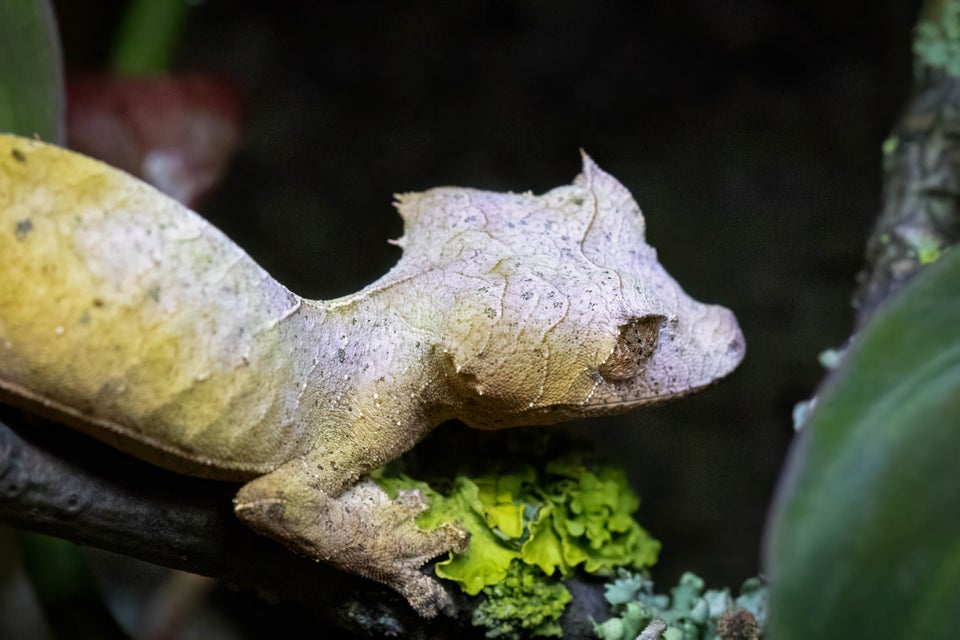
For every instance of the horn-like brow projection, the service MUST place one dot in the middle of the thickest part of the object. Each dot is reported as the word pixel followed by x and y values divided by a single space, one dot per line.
pixel 134 320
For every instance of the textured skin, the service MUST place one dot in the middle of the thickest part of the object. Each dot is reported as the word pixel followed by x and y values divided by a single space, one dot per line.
pixel 131 318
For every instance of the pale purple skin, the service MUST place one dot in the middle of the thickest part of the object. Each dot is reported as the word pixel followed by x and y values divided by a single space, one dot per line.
pixel 131 318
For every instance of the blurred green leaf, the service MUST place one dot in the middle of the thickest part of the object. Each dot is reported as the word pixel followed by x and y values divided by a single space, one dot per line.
pixel 67 590
pixel 31 77
pixel 865 535
pixel 148 37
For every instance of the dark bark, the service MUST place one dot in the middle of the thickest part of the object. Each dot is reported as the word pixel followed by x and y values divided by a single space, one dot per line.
pixel 58 482
pixel 921 206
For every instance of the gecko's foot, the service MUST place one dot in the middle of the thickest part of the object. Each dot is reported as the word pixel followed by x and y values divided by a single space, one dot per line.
pixel 360 531
pixel 402 548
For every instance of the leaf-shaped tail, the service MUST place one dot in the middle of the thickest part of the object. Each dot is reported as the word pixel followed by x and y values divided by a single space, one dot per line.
pixel 139 322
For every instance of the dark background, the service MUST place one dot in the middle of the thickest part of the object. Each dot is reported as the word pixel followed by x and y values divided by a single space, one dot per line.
pixel 749 131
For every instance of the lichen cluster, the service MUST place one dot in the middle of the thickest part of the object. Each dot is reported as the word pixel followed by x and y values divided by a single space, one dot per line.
pixel 690 612
pixel 531 526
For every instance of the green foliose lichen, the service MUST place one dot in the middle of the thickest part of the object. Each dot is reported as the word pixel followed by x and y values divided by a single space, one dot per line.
pixel 533 525
pixel 564 516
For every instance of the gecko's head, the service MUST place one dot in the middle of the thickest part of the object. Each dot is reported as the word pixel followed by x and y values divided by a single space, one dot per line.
pixel 561 308
pixel 655 356
pixel 610 364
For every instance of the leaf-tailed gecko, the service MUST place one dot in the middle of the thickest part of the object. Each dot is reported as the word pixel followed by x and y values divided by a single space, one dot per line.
pixel 129 317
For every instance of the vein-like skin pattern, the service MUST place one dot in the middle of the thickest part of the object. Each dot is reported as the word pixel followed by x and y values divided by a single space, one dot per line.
pixel 129 317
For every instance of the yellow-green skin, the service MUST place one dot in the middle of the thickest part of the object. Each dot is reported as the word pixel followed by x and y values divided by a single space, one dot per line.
pixel 130 317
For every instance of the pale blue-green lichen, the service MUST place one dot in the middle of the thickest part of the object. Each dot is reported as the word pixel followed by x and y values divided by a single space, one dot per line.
pixel 936 42
pixel 690 612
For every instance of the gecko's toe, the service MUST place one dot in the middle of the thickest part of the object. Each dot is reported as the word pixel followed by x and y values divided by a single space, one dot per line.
pixel 428 597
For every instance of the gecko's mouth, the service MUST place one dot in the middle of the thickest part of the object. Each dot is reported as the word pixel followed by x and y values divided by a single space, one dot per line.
pixel 542 415
pixel 623 405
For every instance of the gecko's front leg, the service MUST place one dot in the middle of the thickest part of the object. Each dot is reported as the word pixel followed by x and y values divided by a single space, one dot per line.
pixel 357 529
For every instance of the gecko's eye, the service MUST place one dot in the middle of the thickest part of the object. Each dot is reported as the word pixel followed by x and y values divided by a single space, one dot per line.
pixel 636 343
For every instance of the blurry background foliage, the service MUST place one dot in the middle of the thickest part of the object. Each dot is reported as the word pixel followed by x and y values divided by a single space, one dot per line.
pixel 31 75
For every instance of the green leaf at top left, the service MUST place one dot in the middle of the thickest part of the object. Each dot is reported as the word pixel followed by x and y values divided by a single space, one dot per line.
pixel 31 76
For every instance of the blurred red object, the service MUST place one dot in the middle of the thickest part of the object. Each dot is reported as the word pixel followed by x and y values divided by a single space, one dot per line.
pixel 176 132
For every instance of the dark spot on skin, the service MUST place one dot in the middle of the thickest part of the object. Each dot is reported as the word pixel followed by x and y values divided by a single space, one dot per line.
pixel 97 302
pixel 154 293
pixel 275 511
pixel 341 355
pixel 735 346
pixel 18 155
pixel 577 202
pixel 85 318
pixel 490 312
pixel 23 229
pixel 73 503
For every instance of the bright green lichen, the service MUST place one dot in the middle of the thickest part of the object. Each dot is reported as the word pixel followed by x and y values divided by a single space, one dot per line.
pixel 890 145
pixel 928 252
pixel 564 516
pixel 526 604
pixel 528 524
pixel 587 519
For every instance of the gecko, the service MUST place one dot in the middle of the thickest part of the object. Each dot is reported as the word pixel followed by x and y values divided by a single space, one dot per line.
pixel 129 317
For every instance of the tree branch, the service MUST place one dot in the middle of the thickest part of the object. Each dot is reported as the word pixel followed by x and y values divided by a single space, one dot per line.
pixel 921 202
pixel 58 482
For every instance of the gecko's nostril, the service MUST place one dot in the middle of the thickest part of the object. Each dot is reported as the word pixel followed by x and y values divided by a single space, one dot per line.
pixel 736 345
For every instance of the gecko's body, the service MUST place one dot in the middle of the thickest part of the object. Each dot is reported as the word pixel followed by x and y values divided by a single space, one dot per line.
pixel 133 319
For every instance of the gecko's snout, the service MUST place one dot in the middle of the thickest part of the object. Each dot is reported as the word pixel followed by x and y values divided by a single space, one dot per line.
pixel 657 359
pixel 719 337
